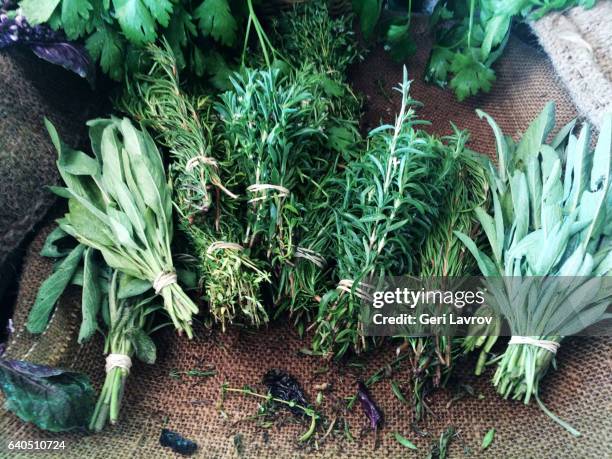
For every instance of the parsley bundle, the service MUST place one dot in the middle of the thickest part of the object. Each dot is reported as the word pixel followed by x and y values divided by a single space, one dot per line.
pixel 119 203
pixel 116 32
pixel 550 237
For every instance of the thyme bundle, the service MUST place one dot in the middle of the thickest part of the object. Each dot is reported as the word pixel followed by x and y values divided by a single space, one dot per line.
pixel 549 236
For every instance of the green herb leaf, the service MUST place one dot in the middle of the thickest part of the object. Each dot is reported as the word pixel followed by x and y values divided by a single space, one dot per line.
pixel 368 12
pixel 53 399
pixel 471 76
pixel 38 11
pixel 216 20
pixel 488 439
pixel 51 289
pixel 161 10
pixel 107 46
pixel 91 297
pixel 404 441
pixel 399 42
pixel 135 20
pixel 75 15
pixel 143 345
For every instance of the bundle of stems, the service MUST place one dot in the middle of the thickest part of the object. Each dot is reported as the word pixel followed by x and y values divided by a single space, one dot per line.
pixel 444 258
pixel 550 242
pixel 270 122
pixel 387 200
pixel 119 203
pixel 183 124
pixel 130 322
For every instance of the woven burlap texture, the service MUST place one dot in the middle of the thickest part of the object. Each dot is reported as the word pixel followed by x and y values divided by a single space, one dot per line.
pixel 578 391
pixel 31 90
pixel 579 43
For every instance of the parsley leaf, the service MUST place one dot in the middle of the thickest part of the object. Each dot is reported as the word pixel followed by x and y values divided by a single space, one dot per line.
pixel 135 21
pixel 471 75
pixel 161 10
pixel 38 11
pixel 75 15
pixel 438 66
pixel 216 20
pixel 107 46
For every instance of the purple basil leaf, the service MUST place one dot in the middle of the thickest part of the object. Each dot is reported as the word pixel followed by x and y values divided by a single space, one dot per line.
pixel 285 387
pixel 369 407
pixel 31 369
pixel 70 56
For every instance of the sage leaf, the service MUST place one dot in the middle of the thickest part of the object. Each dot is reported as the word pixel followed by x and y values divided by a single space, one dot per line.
pixel 51 289
pixel 91 297
pixel 143 345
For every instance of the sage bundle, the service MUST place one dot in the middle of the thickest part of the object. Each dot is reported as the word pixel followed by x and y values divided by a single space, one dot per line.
pixel 129 317
pixel 549 237
pixel 119 204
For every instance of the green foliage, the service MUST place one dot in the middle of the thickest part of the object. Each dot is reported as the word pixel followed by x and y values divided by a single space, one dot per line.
pixel 387 200
pixel 119 204
pixel 52 399
pixel 469 36
pixel 549 237
pixel 115 30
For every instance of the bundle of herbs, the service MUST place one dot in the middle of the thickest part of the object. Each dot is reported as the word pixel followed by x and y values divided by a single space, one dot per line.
pixel 119 306
pixel 119 204
pixel 387 200
pixel 444 259
pixel 549 236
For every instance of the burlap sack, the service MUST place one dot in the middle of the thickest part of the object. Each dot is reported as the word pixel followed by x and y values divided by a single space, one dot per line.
pixel 30 90
pixel 578 391
pixel 579 43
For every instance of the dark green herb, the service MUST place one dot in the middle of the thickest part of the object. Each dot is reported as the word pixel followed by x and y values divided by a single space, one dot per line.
pixel 119 203
pixel 53 399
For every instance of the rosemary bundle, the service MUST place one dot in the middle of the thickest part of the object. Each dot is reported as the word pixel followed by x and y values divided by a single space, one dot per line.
pixel 550 237
pixel 119 203
pixel 443 255
pixel 386 203
pixel 183 125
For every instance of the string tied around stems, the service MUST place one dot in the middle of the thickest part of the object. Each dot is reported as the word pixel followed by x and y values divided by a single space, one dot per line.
pixel 118 361
pixel 282 191
pixel 200 159
pixel 163 280
pixel 550 346
pixel 362 290
pixel 222 245
pixel 311 256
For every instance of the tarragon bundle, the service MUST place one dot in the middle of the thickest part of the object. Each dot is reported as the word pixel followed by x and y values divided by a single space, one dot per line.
pixel 549 236
pixel 119 203
pixel 386 203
